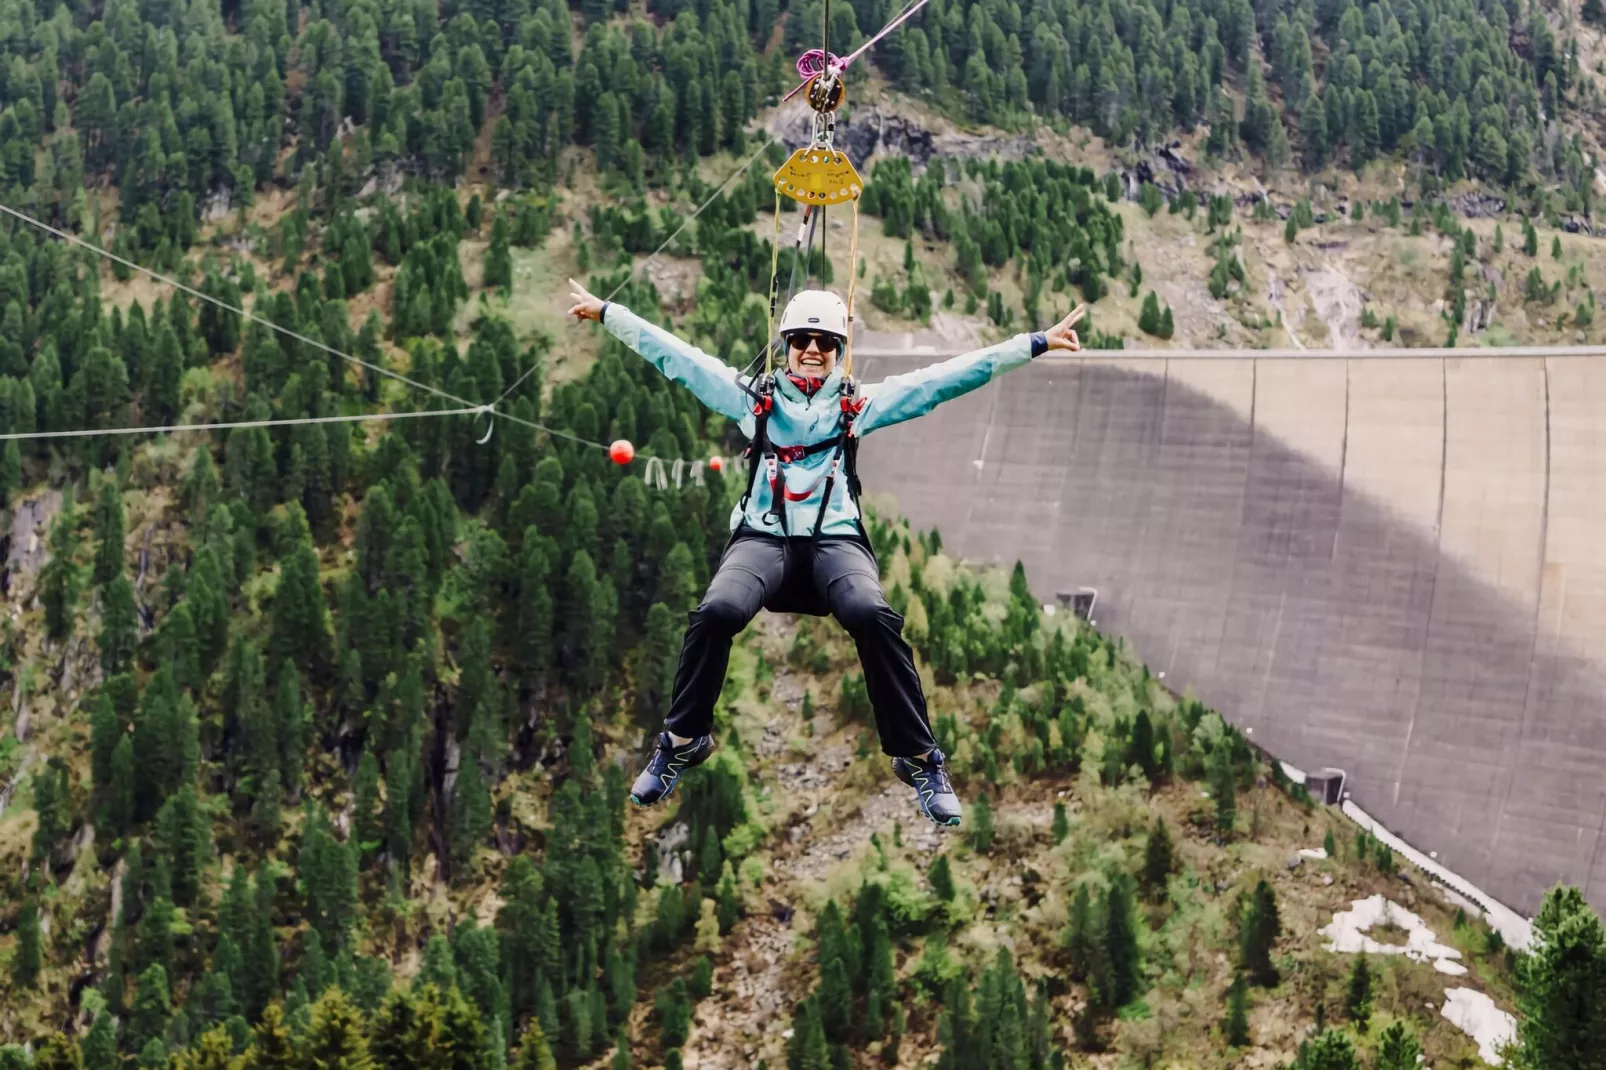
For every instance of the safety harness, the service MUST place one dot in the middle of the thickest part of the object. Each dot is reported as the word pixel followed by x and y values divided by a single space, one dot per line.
pixel 761 452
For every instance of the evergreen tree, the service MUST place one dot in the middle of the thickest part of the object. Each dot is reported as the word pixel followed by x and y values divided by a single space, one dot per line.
pixel 1561 987
pixel 272 1047
pixel 59 578
pixel 27 959
pixel 499 257
pixel 152 1007
pixel 1157 859
pixel 1331 1050
pixel 368 820
pixel 100 1045
pixel 119 631
pixel 1329 845
pixel 1061 826
pixel 335 1038
pixel 1120 946
pixel 981 833
pixel 1397 1049
pixel 1238 1012
pixel 184 836
pixel 534 1052
pixel 941 878
pixel 1358 994
pixel 110 530
pixel 1259 932
pixel 1224 788
pixel 1149 318
pixel 328 868
pixel 52 802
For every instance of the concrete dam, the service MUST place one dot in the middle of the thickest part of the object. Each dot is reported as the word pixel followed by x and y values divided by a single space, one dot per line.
pixel 1390 564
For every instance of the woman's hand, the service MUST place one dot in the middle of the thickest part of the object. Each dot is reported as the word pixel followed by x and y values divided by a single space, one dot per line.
pixel 1061 336
pixel 587 306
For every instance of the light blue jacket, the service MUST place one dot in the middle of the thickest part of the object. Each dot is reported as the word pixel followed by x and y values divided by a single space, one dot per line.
pixel 797 419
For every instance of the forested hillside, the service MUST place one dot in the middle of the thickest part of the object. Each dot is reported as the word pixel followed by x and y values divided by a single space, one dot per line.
pixel 319 733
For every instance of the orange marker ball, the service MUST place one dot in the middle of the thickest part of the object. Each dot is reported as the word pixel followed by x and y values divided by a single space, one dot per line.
pixel 621 452
pixel 717 463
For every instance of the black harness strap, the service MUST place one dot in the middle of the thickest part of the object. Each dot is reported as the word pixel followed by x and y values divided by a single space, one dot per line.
pixel 762 452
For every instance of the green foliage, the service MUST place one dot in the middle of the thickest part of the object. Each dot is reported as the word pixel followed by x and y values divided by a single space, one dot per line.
pixel 1561 987
pixel 27 959
pixel 1358 993
pixel 1237 1025
pixel 1331 1050
pixel 1157 859
pixel 1258 932
pixel 1397 1048
pixel 981 824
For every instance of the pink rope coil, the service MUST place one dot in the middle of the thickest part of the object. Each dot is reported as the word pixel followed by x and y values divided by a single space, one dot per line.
pixel 814 62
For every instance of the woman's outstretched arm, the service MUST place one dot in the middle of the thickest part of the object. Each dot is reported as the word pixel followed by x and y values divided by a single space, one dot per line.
pixel 713 381
pixel 903 397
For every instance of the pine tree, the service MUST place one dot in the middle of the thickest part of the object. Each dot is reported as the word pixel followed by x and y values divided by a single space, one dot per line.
pixel 272 1047
pixel 119 632
pixel 329 869
pixel 1358 994
pixel 52 802
pixel 152 1006
pixel 120 792
pixel 1061 825
pixel 534 1052
pixel 1329 845
pixel 110 530
pixel 59 578
pixel 1530 238
pixel 100 1045
pixel 1397 1049
pixel 941 879
pixel 1331 1050
pixel 981 833
pixel 1223 786
pixel 27 960
pixel 499 257
pixel 1238 1012
pixel 335 1039
pixel 1157 859
pixel 368 820
pixel 1561 987
pixel 1555 247
pixel 1120 946
pixel 183 834
pixel 730 901
pixel 1149 318
pixel 1259 933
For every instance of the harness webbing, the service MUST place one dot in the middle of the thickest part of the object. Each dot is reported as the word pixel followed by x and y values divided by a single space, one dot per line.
pixel 762 452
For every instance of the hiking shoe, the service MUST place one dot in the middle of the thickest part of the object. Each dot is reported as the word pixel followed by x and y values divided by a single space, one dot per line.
pixel 934 792
pixel 665 766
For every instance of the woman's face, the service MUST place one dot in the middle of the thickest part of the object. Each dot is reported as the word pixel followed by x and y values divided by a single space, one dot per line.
pixel 812 353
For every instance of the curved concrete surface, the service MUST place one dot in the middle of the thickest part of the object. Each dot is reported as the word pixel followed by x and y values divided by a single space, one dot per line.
pixel 1393 565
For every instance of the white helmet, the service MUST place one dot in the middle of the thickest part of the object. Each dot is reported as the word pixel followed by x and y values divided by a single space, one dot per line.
pixel 817 310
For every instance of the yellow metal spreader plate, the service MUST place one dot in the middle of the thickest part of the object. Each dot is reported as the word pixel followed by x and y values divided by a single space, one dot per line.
pixel 816 175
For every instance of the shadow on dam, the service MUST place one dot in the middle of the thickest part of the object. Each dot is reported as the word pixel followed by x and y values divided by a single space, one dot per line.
pixel 1292 595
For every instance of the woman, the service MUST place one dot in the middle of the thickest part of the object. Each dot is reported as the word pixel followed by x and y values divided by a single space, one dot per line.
pixel 798 544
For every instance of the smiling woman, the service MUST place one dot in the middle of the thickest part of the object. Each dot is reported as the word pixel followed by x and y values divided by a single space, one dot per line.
pixel 798 543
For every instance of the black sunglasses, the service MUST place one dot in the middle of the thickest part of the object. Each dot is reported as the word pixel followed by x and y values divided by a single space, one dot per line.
pixel 827 343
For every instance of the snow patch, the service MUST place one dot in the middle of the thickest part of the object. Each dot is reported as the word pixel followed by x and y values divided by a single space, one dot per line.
pixel 1318 853
pixel 1476 1015
pixel 1347 932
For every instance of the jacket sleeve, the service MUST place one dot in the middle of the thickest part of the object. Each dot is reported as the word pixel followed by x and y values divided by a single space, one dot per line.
pixel 713 381
pixel 903 397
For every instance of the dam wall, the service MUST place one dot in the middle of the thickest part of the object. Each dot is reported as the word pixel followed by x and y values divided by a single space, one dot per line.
pixel 1395 565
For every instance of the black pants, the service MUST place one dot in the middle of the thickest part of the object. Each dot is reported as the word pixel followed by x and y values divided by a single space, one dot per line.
pixel 835 575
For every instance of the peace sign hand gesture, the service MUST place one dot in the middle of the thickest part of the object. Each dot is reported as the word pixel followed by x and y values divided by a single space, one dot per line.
pixel 1061 336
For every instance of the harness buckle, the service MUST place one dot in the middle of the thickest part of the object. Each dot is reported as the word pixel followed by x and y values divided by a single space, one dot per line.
pixel 790 454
